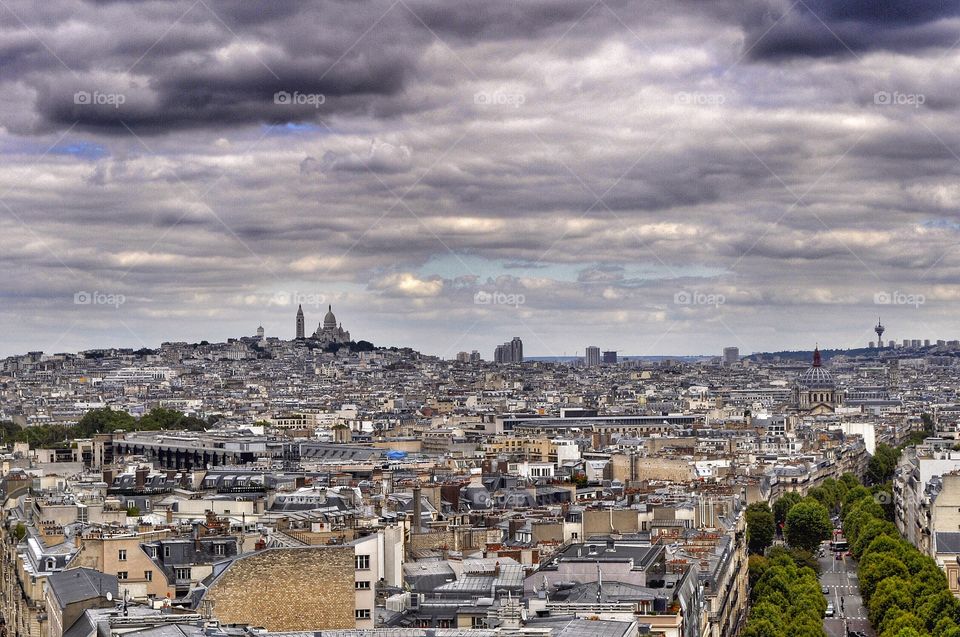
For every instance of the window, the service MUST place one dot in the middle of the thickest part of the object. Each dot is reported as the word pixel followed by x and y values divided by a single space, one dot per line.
pixel 182 573
pixel 362 563
pixel 148 575
pixel 219 549
pixel 361 585
pixel 122 555
pixel 363 613
pixel 478 622
pixel 121 575
pixel 166 551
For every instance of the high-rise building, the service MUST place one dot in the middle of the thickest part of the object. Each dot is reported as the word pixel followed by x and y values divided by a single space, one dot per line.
pixel 474 356
pixel 509 352
pixel 731 355
pixel 300 323
pixel 463 357
pixel 592 357
pixel 516 350
pixel 610 358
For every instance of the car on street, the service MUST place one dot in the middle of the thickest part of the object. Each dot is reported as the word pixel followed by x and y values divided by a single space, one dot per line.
pixel 838 556
pixel 825 589
pixel 829 611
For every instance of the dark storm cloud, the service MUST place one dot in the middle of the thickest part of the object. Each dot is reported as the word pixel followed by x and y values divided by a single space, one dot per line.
pixel 182 65
pixel 187 65
pixel 816 28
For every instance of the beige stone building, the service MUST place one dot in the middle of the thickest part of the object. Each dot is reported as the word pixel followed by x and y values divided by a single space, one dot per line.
pixel 121 555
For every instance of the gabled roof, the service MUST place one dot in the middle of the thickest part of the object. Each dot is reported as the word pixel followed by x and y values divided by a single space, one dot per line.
pixel 78 584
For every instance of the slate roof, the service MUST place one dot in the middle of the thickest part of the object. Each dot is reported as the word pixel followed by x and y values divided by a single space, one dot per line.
pixel 78 584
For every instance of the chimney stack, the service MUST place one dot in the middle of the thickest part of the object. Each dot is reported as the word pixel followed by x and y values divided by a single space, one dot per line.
pixel 417 509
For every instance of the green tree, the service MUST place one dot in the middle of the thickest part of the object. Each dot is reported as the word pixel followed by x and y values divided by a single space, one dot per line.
pixel 882 464
pixel 877 567
pixel 103 420
pixel 757 565
pixel 760 527
pixel 782 506
pixel 892 592
pixel 808 524
pixel 870 531
pixel 160 418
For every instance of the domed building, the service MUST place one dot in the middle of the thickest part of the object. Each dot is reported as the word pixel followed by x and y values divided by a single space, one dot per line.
pixel 329 331
pixel 815 390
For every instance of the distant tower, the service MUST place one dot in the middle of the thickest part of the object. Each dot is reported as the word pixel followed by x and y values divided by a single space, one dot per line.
pixel 879 329
pixel 260 333
pixel 300 323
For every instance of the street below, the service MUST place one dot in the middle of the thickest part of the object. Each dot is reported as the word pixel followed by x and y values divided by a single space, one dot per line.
pixel 840 577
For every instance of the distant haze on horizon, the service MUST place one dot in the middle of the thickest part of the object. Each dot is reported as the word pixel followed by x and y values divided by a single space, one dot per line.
pixel 654 178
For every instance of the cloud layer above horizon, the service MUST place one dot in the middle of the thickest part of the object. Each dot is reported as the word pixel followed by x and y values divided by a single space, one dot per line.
pixel 657 178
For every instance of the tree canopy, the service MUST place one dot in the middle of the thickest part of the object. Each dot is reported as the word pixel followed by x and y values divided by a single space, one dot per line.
pixel 808 524
pixel 760 527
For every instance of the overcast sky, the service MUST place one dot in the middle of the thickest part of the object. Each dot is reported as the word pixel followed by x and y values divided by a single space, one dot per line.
pixel 652 177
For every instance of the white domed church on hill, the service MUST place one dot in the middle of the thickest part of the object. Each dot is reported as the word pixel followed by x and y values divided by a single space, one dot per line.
pixel 329 331
pixel 815 391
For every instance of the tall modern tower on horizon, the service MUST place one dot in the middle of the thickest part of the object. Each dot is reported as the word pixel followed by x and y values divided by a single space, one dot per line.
pixel 509 352
pixel 879 329
pixel 592 356
pixel 300 323
pixel 731 356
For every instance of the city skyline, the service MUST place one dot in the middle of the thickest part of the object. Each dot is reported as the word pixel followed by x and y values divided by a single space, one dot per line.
pixel 671 179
